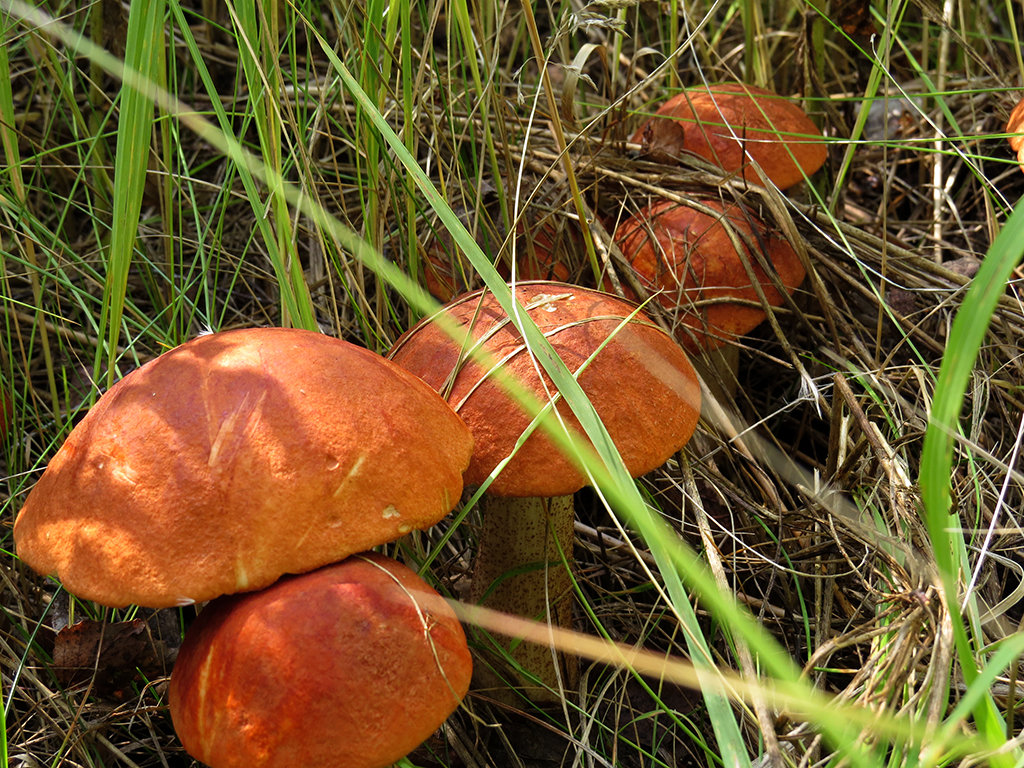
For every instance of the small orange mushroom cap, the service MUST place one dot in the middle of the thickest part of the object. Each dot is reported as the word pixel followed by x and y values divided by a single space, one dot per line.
pixel 354 664
pixel 1015 127
pixel 688 256
pixel 238 457
pixel 641 383
pixel 730 124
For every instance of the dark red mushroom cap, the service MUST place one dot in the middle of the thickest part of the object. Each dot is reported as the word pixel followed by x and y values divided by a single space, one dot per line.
pixel 641 383
pixel 238 457
pixel 725 123
pixel 688 256
pixel 352 665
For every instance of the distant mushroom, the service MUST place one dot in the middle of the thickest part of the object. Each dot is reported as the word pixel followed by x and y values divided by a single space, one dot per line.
pixel 236 458
pixel 354 665
pixel 731 124
pixel 1015 129
pixel 703 261
pixel 641 385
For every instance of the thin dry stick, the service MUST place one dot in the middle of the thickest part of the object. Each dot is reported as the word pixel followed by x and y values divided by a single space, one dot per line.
pixel 747 667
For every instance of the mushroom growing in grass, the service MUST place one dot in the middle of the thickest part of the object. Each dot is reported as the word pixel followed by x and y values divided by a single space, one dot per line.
pixel 354 665
pixel 640 384
pixel 1015 131
pixel 730 125
pixel 236 458
pixel 709 263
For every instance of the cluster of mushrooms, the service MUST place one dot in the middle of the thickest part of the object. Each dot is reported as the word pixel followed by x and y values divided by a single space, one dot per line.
pixel 255 469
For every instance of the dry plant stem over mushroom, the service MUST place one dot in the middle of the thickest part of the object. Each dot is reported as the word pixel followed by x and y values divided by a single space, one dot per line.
pixel 640 383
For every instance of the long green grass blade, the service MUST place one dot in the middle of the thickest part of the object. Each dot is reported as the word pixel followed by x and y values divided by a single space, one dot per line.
pixel 944 527
pixel 259 53
pixel 131 161
pixel 609 474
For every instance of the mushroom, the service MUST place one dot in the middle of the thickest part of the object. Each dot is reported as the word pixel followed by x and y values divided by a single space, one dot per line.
pixel 641 385
pixel 732 124
pixel 699 259
pixel 1015 129
pixel 354 664
pixel 236 458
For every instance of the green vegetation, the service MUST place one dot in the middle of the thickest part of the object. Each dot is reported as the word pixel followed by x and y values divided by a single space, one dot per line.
pixel 829 574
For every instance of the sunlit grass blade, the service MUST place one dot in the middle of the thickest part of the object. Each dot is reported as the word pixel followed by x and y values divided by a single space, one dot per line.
pixel 259 52
pixel 675 560
pixel 944 526
pixel 134 133
pixel 12 169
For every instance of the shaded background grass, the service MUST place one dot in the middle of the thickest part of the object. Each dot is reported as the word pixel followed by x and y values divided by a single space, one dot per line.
pixel 128 229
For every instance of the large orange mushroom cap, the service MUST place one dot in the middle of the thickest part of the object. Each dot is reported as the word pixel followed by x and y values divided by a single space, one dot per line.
pixel 730 124
pixel 238 457
pixel 351 665
pixel 641 383
pixel 689 257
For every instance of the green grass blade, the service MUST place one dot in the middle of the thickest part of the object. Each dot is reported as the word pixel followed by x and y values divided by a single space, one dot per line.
pixel 965 338
pixel 259 52
pixel 12 169
pixel 608 472
pixel 134 132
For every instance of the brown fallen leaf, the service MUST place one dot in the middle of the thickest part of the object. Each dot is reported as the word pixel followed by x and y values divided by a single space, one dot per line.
pixel 663 141
pixel 110 655
pixel 854 17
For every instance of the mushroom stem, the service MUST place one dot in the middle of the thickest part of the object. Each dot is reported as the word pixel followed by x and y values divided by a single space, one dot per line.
pixel 519 570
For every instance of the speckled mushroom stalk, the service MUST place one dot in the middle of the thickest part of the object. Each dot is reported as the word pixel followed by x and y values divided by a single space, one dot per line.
pixel 641 385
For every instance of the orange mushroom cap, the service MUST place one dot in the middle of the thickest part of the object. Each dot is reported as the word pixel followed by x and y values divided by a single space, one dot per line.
pixel 729 124
pixel 689 258
pixel 354 664
pixel 1015 126
pixel 238 457
pixel 641 383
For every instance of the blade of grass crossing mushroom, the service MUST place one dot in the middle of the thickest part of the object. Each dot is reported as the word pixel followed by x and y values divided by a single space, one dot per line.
pixel 134 132
pixel 944 526
pixel 259 52
pixel 609 475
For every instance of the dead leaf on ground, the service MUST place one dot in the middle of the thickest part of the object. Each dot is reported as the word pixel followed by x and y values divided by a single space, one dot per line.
pixel 854 17
pixel 110 655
